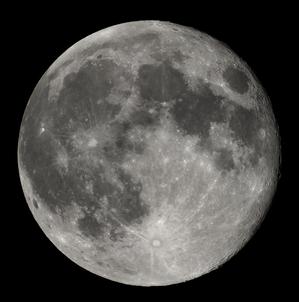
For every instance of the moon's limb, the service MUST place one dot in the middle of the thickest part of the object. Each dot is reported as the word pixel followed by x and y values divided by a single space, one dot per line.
pixel 148 153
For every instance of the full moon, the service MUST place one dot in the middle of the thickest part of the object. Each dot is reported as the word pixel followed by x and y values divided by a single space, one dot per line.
pixel 149 153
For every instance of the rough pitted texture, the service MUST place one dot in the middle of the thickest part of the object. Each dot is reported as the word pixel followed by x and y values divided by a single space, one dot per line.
pixel 148 153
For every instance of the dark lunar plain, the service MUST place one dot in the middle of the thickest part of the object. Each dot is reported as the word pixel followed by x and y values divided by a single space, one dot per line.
pixel 263 266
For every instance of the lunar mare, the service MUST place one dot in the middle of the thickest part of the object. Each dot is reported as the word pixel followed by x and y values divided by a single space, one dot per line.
pixel 148 153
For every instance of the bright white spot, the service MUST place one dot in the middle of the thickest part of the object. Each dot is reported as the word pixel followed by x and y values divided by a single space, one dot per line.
pixel 62 159
pixel 160 222
pixel 166 160
pixel 89 187
pixel 262 133
pixel 156 243
pixel 237 221
pixel 61 238
pixel 92 143
pixel 84 244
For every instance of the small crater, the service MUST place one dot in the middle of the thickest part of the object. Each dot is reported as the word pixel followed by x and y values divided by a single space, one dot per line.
pixel 35 204
pixel 156 243
pixel 262 134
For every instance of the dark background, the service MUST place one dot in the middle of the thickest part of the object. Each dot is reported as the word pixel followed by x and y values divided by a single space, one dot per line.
pixel 262 36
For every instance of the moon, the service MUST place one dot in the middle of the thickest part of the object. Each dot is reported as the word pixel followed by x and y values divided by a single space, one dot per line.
pixel 149 153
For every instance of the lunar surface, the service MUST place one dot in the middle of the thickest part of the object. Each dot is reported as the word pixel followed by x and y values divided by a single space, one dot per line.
pixel 148 153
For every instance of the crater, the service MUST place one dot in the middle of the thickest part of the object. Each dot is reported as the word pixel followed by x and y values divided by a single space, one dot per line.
pixel 236 79
pixel 156 243
pixel 35 204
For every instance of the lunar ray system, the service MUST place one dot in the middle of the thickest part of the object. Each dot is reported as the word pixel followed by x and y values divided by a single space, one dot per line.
pixel 148 153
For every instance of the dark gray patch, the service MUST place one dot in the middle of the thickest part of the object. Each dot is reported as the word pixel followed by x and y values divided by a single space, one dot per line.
pixel 245 125
pixel 105 111
pixel 128 203
pixel 94 80
pixel 224 160
pixel 90 227
pixel 160 83
pixel 82 90
pixel 116 150
pixel 236 79
pixel 143 118
pixel 150 82
pixel 35 204
pixel 195 111
pixel 124 145
pixel 192 112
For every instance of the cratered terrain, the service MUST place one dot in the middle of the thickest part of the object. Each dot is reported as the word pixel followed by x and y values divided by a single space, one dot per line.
pixel 148 153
